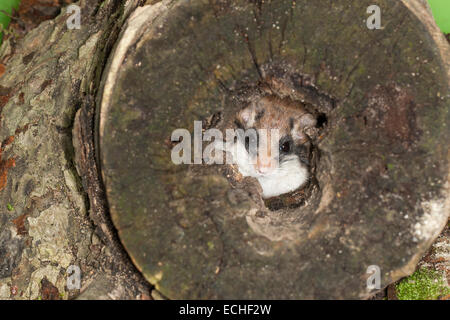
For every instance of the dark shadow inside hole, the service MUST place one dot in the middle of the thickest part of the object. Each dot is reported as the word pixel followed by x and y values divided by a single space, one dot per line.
pixel 322 120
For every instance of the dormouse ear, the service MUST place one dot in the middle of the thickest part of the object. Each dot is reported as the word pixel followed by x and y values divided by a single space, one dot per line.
pixel 247 115
pixel 301 124
pixel 307 121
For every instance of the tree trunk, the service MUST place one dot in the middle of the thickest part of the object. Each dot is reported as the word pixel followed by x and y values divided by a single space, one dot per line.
pixel 45 227
pixel 380 194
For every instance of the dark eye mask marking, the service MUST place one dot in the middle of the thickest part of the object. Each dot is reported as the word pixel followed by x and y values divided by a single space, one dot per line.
pixel 259 115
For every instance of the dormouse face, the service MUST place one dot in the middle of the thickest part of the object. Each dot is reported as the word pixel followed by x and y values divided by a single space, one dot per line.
pixel 282 143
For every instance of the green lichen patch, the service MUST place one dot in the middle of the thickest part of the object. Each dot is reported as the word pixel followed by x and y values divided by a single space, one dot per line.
pixel 424 284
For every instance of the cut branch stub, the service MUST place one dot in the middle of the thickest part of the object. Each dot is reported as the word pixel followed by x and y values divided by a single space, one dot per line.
pixel 381 177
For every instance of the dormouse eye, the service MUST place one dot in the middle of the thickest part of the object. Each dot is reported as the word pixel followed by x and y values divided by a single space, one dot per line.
pixel 285 147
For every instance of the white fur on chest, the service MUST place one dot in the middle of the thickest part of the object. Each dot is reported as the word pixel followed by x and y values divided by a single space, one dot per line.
pixel 289 176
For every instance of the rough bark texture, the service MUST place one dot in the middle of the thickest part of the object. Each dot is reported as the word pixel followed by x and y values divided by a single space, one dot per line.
pixel 46 219
pixel 382 175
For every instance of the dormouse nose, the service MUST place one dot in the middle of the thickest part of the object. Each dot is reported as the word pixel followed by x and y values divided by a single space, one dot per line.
pixel 264 165
pixel 266 153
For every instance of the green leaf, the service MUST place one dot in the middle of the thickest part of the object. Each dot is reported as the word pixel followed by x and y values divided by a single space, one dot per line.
pixel 6 7
pixel 441 13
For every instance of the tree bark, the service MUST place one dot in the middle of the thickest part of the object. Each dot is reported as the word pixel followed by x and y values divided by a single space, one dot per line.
pixel 47 221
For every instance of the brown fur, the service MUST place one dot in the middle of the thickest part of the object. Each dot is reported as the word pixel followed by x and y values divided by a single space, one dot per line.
pixel 274 113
